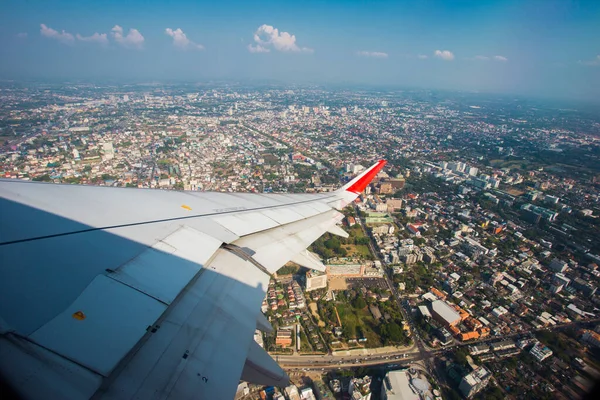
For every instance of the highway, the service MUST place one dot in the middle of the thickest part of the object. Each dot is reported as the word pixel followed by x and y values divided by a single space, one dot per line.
pixel 398 357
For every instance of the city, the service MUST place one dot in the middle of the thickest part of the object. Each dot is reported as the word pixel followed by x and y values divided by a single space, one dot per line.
pixel 467 269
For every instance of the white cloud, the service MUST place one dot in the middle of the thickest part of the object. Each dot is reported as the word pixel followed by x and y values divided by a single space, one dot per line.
pixel 63 37
pixel 481 58
pixel 133 39
pixel 592 63
pixel 444 55
pixel 22 35
pixel 267 37
pixel 500 58
pixel 100 38
pixel 181 40
pixel 257 49
pixel 422 57
pixel 374 54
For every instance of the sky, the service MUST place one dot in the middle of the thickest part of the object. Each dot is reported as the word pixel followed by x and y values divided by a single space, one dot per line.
pixel 543 48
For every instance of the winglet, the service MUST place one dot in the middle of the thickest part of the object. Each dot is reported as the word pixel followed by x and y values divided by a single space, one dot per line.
pixel 358 184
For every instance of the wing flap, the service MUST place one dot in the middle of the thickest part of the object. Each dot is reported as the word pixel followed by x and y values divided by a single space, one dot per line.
pixel 275 247
pixel 153 271
pixel 308 260
pixel 261 369
pixel 201 344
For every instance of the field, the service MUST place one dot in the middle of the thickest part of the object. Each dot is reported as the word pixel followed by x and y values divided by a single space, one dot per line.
pixel 337 283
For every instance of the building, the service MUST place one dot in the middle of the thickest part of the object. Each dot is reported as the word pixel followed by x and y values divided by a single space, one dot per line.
pixel 385 188
pixel 397 386
pixel 557 265
pixel 393 205
pixel 315 280
pixel 475 381
pixel 350 270
pixel 477 349
pixel 444 336
pixel 541 211
pixel 591 338
pixel 292 393
pixel 560 279
pixel 444 313
pixel 540 352
pixel 410 259
pixel 383 229
pixel 505 345
pixel 307 394
pixel 360 388
pixel 586 288
pixel 284 337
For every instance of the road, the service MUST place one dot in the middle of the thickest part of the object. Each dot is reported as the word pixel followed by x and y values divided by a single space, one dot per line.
pixel 424 354
pixel 393 359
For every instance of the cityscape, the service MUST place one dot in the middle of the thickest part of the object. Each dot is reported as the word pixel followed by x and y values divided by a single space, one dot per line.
pixel 467 269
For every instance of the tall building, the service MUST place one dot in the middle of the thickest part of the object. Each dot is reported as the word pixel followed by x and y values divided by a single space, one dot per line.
pixel 474 382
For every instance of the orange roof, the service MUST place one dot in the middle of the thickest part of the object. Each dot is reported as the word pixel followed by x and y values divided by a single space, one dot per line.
pixel 473 322
pixel 469 335
pixel 437 293
pixel 484 331
pixel 454 330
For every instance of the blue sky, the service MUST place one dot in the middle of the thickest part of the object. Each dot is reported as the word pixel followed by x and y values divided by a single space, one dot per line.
pixel 536 47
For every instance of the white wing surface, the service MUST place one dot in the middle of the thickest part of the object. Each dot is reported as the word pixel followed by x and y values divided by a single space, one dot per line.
pixel 130 293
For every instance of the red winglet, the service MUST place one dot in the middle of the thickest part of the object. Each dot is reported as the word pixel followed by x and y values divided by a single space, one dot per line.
pixel 360 185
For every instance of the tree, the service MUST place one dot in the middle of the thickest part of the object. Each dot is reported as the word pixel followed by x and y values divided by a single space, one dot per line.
pixel 349 330
pixel 42 178
pixel 333 244
pixel 392 332
pixel 359 303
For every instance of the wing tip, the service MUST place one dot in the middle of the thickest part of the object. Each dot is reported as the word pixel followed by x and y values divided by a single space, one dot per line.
pixel 360 185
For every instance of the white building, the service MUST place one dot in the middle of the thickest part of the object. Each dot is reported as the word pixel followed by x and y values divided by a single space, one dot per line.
pixel 540 352
pixel 397 386
pixel 315 280
pixel 475 381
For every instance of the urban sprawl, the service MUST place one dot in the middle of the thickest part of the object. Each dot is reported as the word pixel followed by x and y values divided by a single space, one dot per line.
pixel 468 269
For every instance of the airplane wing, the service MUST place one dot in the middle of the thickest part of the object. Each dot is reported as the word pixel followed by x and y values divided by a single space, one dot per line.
pixel 118 293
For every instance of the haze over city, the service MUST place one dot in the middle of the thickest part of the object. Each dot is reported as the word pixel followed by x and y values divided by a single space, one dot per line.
pixel 538 48
pixel 279 201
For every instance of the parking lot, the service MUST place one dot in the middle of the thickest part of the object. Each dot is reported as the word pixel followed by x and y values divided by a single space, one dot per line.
pixel 369 283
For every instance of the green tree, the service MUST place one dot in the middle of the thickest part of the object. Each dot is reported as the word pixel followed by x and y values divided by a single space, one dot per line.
pixel 392 332
pixel 333 244
pixel 42 178
pixel 359 303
